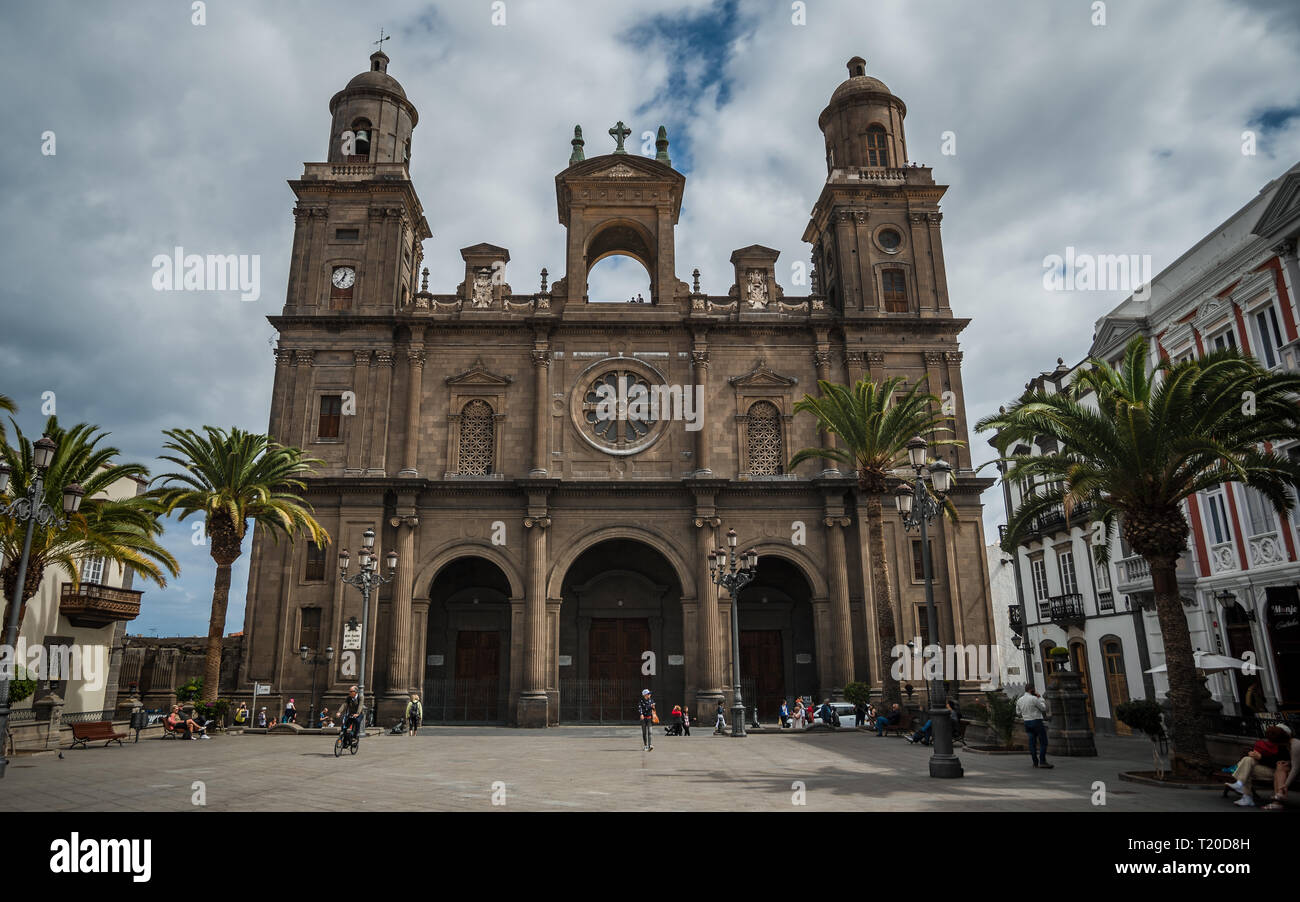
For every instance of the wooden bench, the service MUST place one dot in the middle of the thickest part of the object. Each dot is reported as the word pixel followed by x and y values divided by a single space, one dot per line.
pixel 170 732
pixel 94 731
pixel 904 726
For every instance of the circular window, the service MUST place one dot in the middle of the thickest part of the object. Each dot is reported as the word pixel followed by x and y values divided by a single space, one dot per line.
pixel 615 406
pixel 889 239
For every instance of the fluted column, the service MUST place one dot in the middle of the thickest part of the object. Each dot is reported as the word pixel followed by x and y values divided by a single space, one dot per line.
pixel 855 363
pixel 283 388
pixel 533 702
pixel 822 359
pixel 299 415
pixel 356 433
pixel 415 385
pixel 399 641
pixel 542 407
pixel 841 622
pixel 380 403
pixel 700 362
pixel 712 677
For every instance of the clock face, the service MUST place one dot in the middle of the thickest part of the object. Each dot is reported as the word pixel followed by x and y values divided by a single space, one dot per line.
pixel 344 276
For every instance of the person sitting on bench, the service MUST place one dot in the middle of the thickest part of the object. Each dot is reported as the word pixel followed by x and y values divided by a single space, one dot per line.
pixel 889 720
pixel 184 725
pixel 925 735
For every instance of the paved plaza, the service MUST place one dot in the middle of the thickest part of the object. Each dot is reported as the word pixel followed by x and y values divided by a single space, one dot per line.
pixel 576 768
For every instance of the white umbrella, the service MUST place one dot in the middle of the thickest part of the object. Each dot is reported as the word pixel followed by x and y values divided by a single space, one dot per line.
pixel 1209 663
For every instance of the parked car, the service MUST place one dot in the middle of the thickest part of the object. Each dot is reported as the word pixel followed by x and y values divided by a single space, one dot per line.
pixel 843 709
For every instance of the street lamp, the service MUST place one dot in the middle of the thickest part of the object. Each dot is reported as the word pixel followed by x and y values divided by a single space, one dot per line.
pixel 31 509
pixel 315 658
pixel 733 572
pixel 918 504
pixel 367 580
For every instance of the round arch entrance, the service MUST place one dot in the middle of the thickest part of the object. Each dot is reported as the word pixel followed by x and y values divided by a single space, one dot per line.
pixel 467 668
pixel 778 654
pixel 620 632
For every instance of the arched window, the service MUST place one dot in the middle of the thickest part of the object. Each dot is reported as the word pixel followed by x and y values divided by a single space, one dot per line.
pixel 476 438
pixel 766 450
pixel 893 286
pixel 877 151
pixel 361 141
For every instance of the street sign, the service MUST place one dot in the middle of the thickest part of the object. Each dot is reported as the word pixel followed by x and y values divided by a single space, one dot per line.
pixel 261 688
pixel 352 639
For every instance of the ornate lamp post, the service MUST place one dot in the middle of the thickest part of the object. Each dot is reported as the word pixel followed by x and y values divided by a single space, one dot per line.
pixel 918 504
pixel 308 654
pixel 31 509
pixel 733 572
pixel 367 580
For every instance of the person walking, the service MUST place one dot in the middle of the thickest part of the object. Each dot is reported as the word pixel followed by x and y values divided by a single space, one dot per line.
pixel 646 709
pixel 686 720
pixel 859 714
pixel 720 723
pixel 414 714
pixel 785 714
pixel 1033 711
pixel 290 712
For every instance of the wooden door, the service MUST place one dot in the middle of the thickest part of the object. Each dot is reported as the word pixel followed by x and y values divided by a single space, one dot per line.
pixel 762 663
pixel 614 650
pixel 478 675
pixel 1112 657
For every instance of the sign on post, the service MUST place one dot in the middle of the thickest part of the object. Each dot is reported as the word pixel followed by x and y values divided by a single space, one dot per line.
pixel 351 639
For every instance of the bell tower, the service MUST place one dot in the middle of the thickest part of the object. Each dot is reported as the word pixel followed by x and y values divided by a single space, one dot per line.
pixel 875 227
pixel 357 242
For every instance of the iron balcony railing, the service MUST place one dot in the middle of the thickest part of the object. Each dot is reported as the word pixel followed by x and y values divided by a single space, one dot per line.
pixel 94 604
pixel 1064 608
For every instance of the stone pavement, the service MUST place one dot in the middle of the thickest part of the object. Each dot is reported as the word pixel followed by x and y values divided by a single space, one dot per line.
pixel 577 768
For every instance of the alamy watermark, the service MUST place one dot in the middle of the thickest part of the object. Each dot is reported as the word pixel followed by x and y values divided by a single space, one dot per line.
pixel 945 662
pixel 180 271
pixel 88 663
pixel 1098 272
pixel 651 403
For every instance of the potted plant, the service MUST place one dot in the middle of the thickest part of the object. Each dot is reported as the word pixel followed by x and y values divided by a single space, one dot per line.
pixel 1002 717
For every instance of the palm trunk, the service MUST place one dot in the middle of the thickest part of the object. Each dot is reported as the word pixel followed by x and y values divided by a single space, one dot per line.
pixel 216 629
pixel 1186 732
pixel 883 593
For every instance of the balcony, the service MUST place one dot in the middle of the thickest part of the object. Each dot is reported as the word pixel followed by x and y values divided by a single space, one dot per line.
pixel 1066 609
pixel 1106 602
pixel 96 605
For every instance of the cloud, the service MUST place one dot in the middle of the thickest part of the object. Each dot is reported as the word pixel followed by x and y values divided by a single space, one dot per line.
pixel 1120 139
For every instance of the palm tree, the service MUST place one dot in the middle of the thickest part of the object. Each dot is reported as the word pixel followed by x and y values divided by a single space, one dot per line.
pixel 1148 445
pixel 231 478
pixel 124 531
pixel 8 406
pixel 874 424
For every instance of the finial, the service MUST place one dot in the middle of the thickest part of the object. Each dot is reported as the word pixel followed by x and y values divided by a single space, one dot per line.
pixel 695 281
pixel 577 156
pixel 379 59
pixel 544 274
pixel 424 279
pixel 618 133
pixel 661 147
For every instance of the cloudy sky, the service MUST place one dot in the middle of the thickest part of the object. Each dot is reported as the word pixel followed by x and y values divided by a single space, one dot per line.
pixel 1119 138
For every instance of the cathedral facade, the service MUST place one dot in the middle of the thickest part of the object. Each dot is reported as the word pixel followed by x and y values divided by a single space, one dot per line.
pixel 553 470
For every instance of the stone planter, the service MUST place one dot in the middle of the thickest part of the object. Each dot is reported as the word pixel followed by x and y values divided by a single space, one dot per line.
pixel 1068 732
pixel 980 732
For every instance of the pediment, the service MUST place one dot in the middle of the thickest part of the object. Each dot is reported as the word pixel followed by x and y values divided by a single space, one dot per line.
pixel 761 377
pixel 755 252
pixel 480 376
pixel 1283 210
pixel 483 249
pixel 621 166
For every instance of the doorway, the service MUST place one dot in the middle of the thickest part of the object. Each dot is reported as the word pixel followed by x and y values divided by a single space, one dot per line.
pixel 1112 659
pixel 1079 660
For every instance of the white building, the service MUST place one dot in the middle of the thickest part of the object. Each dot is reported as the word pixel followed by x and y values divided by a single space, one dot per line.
pixel 1235 288
pixel 88 619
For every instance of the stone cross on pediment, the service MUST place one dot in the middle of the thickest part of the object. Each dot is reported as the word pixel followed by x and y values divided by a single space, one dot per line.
pixel 618 133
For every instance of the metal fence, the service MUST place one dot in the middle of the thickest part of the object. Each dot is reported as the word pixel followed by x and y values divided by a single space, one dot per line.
pixel 464 701
pixel 600 701
pixel 87 716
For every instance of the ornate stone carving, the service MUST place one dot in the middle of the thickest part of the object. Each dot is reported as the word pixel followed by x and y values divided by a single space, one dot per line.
pixel 541 357
pixel 304 358
pixel 700 359
pixel 711 522
pixel 539 522
pixel 283 355
pixel 482 296
pixel 361 357
pixel 915 217
pixel 415 356
pixel 855 358
pixel 875 359
pixel 953 357
pixel 384 357
pixel 837 521
pixel 933 358
pixel 756 289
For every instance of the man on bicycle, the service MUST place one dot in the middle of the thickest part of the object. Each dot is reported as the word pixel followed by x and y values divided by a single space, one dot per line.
pixel 351 712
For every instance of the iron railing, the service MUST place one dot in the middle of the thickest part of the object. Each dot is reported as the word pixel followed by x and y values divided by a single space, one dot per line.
pixel 464 701
pixel 1066 607
pixel 87 716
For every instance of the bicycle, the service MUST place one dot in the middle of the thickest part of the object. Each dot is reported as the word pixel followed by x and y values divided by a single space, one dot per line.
pixel 349 739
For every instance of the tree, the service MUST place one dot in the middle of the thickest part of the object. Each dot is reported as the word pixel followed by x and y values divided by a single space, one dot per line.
pixel 231 478
pixel 1156 436
pixel 123 531
pixel 874 423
